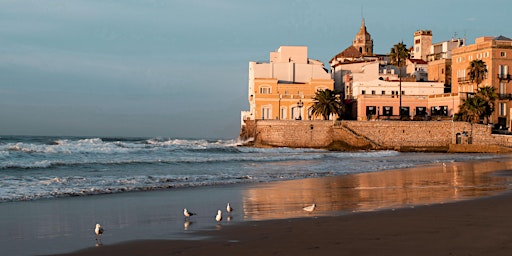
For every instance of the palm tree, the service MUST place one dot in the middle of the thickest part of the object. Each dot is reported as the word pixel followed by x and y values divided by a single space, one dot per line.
pixel 471 109
pixel 489 96
pixel 477 71
pixel 398 56
pixel 325 103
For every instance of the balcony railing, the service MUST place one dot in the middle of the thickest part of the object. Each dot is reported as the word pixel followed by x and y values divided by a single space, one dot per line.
pixel 463 80
pixel 507 77
pixel 505 96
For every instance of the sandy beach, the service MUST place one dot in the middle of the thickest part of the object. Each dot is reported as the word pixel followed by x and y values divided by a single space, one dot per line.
pixel 477 227
pixel 421 211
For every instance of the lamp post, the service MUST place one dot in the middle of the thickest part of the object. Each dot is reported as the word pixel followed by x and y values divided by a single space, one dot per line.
pixel 300 104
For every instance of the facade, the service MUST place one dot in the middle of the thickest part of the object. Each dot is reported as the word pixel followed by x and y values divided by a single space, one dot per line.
pixel 496 52
pixel 422 44
pixel 377 90
pixel 284 87
pixel 440 61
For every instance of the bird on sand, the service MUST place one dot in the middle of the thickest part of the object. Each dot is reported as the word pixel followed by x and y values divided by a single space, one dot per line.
pixel 309 208
pixel 219 216
pixel 187 214
pixel 98 230
pixel 229 208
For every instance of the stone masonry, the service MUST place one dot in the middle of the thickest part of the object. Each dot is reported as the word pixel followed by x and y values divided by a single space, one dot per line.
pixel 376 135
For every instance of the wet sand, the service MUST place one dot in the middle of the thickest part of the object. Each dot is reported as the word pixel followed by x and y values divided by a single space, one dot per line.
pixel 477 227
pixel 421 211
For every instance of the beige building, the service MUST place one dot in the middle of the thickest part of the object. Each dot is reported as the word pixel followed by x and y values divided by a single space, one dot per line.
pixel 284 87
pixel 496 52
pixel 422 44
pixel 377 91
pixel 440 61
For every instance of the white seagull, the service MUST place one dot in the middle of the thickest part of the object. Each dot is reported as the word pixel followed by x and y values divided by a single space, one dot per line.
pixel 219 216
pixel 98 230
pixel 187 214
pixel 309 208
pixel 229 208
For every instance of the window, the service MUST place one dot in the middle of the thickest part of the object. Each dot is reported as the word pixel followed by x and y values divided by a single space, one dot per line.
pixel 503 71
pixel 486 55
pixel 403 92
pixel 470 57
pixel 387 111
pixel 363 92
pixel 266 112
pixel 503 54
pixel 503 109
pixel 503 88
pixel 373 92
pixel 371 110
pixel 442 71
pixel 283 113
pixel 265 90
pixel 383 93
pixel 478 55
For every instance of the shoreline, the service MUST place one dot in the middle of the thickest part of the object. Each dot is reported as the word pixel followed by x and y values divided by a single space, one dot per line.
pixel 478 226
pixel 384 218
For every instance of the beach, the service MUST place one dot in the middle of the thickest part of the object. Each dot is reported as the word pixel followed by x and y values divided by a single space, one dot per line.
pixel 453 209
pixel 476 227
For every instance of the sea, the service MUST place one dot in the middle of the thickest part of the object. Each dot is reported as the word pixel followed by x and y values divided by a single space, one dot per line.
pixel 40 167
pixel 53 190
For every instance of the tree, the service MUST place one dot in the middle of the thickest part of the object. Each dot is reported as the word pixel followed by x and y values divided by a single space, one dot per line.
pixel 471 109
pixel 477 71
pixel 398 56
pixel 327 102
pixel 489 96
pixel 479 105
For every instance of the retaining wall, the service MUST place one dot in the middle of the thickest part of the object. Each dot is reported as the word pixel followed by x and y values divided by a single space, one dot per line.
pixel 396 135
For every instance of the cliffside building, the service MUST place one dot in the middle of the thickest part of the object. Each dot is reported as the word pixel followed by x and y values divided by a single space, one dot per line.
pixel 284 87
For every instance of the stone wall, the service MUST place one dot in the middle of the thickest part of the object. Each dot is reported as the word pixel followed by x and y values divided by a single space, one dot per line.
pixel 395 135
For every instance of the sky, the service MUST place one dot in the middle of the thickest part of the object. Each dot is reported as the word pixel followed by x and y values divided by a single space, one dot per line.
pixel 179 68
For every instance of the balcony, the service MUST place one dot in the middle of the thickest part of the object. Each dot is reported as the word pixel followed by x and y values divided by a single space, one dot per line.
pixel 505 96
pixel 463 80
pixel 507 77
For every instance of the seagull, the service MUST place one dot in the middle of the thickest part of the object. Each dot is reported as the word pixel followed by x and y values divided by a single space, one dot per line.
pixel 98 230
pixel 187 214
pixel 229 208
pixel 309 208
pixel 219 216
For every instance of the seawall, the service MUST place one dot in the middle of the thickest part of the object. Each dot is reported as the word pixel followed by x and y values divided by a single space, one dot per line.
pixel 442 136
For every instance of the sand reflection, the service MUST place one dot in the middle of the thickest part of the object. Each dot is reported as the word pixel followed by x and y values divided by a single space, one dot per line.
pixel 372 191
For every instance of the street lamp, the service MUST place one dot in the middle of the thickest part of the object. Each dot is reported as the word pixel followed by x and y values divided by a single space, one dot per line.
pixel 300 104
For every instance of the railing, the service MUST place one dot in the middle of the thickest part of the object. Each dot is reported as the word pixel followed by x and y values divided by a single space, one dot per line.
pixel 505 96
pixel 504 77
pixel 463 80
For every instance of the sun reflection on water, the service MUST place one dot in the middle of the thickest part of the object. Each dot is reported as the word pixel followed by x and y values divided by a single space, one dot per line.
pixel 373 191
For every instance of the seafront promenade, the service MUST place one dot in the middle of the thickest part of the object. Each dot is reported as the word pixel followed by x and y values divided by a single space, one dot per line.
pixel 421 136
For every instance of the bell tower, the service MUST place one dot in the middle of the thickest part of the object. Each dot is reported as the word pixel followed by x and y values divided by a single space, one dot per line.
pixel 363 42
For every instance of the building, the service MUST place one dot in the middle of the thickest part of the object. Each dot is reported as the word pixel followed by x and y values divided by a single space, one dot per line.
pixel 422 44
pixel 284 87
pixel 380 93
pixel 496 52
pixel 440 61
pixel 361 50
